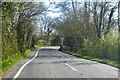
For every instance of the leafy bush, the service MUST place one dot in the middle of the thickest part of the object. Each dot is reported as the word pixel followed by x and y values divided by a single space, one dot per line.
pixel 56 41
pixel 106 48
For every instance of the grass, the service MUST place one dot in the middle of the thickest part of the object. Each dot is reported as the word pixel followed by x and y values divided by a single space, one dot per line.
pixel 44 46
pixel 109 62
pixel 8 63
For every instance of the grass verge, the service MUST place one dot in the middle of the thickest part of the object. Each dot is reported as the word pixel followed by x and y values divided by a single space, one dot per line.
pixel 45 46
pixel 109 62
pixel 8 63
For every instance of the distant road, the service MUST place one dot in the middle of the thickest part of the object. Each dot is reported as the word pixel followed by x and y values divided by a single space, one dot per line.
pixel 50 63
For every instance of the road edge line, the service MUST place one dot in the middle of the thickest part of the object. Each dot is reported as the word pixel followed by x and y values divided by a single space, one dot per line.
pixel 20 70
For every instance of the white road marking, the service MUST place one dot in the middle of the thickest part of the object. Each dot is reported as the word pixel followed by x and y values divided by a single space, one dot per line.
pixel 18 73
pixel 71 67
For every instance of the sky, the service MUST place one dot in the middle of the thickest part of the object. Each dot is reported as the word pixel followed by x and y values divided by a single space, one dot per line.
pixel 52 10
pixel 54 14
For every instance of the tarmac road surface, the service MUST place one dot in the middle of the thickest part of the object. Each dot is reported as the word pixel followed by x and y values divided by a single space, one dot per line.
pixel 50 63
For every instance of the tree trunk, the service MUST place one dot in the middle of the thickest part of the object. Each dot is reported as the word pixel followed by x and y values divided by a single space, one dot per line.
pixel 119 32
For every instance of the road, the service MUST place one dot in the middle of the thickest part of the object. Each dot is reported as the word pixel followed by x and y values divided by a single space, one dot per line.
pixel 50 63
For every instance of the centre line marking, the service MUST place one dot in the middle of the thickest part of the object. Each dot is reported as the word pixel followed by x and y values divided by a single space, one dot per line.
pixel 18 73
pixel 71 67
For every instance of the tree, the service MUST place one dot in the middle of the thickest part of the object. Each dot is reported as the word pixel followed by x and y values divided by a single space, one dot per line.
pixel 84 22
pixel 46 26
pixel 18 25
pixel 119 32
pixel 27 13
